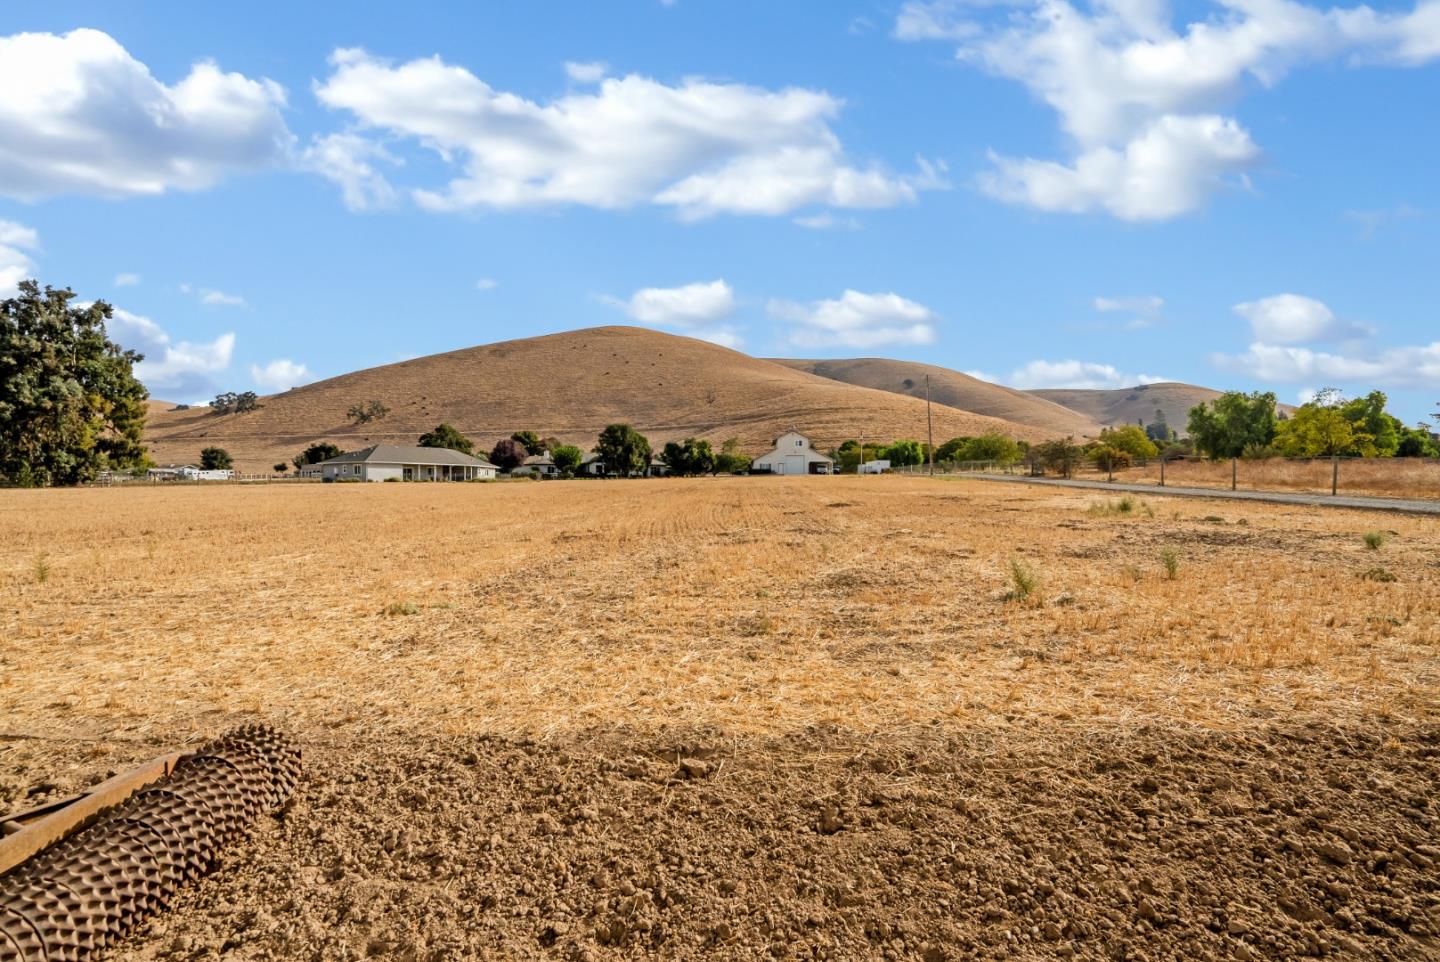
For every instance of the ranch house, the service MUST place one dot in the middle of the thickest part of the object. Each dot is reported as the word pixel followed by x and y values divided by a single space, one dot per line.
pixel 793 453
pixel 385 462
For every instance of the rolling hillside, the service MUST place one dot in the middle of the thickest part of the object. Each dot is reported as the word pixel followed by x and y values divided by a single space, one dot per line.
pixel 1131 404
pixel 955 390
pixel 568 385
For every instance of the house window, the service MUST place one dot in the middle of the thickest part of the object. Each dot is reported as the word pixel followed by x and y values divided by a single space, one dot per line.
pixel 799 444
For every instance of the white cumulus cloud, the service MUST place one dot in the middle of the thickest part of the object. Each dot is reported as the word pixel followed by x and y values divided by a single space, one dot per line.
pixel 697 309
pixel 1295 319
pixel 698 147
pixel 183 366
pixel 78 114
pixel 126 280
pixel 1076 374
pixel 1411 366
pixel 281 374
pixel 1138 97
pixel 856 319
pixel 687 305
pixel 15 263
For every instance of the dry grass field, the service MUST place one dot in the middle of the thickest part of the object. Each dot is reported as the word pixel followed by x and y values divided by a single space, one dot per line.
pixel 755 717
pixel 1381 477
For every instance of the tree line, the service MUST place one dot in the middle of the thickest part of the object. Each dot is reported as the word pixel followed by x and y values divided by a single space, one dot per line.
pixel 623 450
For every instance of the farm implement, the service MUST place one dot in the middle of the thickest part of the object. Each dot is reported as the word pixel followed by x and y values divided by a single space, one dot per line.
pixel 78 874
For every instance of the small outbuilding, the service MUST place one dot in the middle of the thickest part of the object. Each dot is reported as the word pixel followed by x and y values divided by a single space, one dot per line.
pixel 540 465
pixel 793 453
pixel 386 462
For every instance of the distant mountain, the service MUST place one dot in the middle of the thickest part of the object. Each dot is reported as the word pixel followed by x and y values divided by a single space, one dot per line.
pixel 956 390
pixel 1132 405
pixel 570 386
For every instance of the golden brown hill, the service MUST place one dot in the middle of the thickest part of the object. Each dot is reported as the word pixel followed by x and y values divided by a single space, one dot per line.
pixel 570 386
pixel 1131 405
pixel 954 389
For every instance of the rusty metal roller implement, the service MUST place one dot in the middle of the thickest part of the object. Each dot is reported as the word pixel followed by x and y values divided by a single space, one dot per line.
pixel 79 895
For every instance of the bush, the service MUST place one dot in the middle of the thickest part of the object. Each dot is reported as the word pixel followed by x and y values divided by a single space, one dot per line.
pixel 1374 539
pixel 1131 439
pixel 1108 458
pixel 1024 580
pixel 1170 560
pixel 1379 574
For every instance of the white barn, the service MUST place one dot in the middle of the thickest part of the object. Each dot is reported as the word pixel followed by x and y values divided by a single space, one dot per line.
pixel 384 462
pixel 793 453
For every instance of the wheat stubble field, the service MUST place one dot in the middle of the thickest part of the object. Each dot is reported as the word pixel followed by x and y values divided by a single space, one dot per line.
pixel 755 718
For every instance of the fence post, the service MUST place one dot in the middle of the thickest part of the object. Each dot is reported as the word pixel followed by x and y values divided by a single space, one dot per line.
pixel 1334 474
pixel 1162 470
pixel 1234 467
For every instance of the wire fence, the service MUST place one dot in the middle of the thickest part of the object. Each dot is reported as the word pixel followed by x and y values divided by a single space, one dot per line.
pixel 1378 477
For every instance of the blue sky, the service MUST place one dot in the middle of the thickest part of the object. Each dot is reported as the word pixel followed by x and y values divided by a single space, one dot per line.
pixel 1046 194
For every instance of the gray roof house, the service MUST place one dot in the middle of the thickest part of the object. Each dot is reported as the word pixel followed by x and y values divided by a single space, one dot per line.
pixel 403 462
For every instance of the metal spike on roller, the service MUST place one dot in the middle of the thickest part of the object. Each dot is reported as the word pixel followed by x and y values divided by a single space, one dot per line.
pixel 76 876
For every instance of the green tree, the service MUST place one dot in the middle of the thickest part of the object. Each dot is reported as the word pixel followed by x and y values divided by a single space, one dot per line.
pixel 508 454
pixel 315 453
pixel 1157 430
pixel 70 405
pixel 688 457
pixel 991 446
pixel 1223 428
pixel 952 450
pixel 1060 455
pixel 1107 457
pixel 1368 418
pixel 1131 439
pixel 229 402
pixel 624 450
pixel 280 467
pixel 531 440
pixel 1316 430
pixel 567 458
pixel 367 412
pixel 215 459
pixel 446 436
pixel 731 458
pixel 905 453
pixel 1416 443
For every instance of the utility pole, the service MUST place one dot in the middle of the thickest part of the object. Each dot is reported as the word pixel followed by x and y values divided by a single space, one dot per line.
pixel 929 428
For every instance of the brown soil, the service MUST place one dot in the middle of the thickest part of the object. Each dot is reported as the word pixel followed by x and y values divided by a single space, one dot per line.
pixel 1292 841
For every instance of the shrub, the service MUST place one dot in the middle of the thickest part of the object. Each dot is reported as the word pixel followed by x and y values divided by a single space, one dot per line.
pixel 1108 458
pixel 1379 574
pixel 1170 560
pixel 1024 580
pixel 1374 539
pixel 42 568
pixel 399 608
